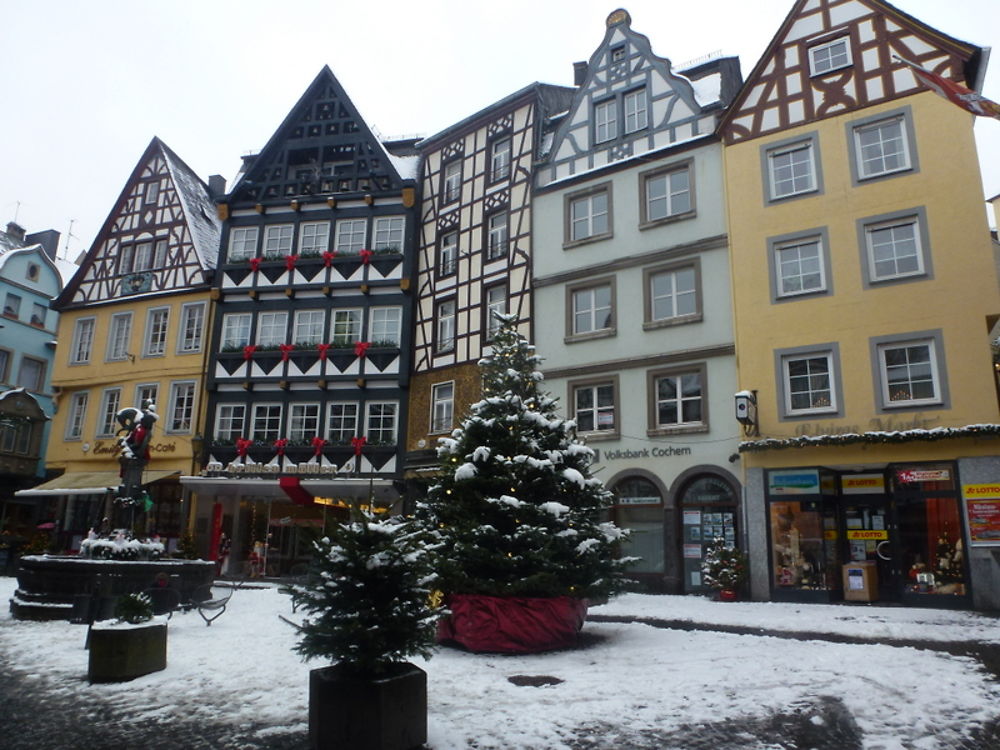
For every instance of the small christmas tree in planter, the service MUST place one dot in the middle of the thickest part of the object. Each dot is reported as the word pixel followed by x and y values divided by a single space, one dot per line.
pixel 519 516
pixel 368 608
pixel 724 569
pixel 130 646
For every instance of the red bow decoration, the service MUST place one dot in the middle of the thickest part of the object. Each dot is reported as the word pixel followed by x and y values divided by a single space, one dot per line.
pixel 317 444
pixel 322 349
pixel 360 347
pixel 290 262
pixel 248 351
pixel 366 256
pixel 242 446
pixel 279 446
pixel 358 443
pixel 328 258
pixel 254 264
pixel 286 349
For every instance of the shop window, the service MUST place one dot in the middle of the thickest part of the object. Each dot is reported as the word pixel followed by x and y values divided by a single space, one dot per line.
pixel 708 513
pixel 639 508
pixel 801 558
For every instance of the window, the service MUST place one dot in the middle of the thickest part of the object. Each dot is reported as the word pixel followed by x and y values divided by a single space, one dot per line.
pixel 678 400
pixel 346 327
pixel 308 327
pixel 496 304
pixel 451 182
pixel 77 415
pixel 588 215
pixel 38 314
pixel 791 169
pixel 591 309
pixel 125 259
pixel 448 254
pixel 266 422
pixel 605 121
pixel 31 374
pixel 445 327
pixel 809 381
pixel 271 328
pixel 152 191
pixel 181 407
pixel 594 407
pixel 303 421
pixel 910 372
pixel 278 240
pixel 314 237
pixel 881 148
pixel 160 254
pixel 4 363
pixel 111 403
pixel 157 321
pixel 381 424
pixel 83 341
pixel 229 421
pixel 635 111
pixel 12 305
pixel 242 243
pixel 497 236
pixel 799 267
pixel 442 406
pixel 666 195
pixel 389 233
pixel 500 155
pixel 118 340
pixel 235 331
pixel 385 326
pixel 147 393
pixel 829 56
pixel 32 271
pixel 895 247
pixel 143 259
pixel 351 235
pixel 342 424
pixel 192 325
pixel 673 294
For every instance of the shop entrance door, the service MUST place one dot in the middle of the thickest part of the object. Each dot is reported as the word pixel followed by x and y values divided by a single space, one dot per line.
pixel 870 534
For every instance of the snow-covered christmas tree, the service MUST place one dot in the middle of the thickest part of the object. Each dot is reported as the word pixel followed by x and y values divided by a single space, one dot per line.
pixel 515 505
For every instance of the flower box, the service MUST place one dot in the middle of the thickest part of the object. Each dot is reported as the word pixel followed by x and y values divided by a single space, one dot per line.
pixel 121 652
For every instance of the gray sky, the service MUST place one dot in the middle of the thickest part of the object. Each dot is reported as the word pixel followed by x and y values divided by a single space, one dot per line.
pixel 88 84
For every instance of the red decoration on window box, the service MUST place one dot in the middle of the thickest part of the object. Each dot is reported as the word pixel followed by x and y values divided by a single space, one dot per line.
pixel 248 351
pixel 328 258
pixel 361 348
pixel 317 444
pixel 286 349
pixel 366 256
pixel 290 262
pixel 358 443
pixel 322 349
pixel 242 446
pixel 254 264
pixel 279 446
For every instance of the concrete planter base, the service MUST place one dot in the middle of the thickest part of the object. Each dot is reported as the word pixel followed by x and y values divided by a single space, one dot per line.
pixel 123 653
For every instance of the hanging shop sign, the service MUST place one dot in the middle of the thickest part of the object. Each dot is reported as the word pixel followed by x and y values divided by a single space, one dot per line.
pixel 982 509
pixel 862 484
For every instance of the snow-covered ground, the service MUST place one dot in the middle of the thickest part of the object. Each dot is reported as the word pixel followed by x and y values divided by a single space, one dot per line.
pixel 630 679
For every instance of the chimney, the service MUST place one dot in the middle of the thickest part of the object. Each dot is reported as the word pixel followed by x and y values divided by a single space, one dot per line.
pixel 49 240
pixel 216 185
pixel 579 73
pixel 15 230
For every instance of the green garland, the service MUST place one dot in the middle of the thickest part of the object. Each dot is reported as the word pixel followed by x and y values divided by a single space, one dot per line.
pixel 852 438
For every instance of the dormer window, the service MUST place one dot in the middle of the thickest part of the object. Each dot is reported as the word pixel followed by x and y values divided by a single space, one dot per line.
pixel 830 56
pixel 618 53
pixel 152 191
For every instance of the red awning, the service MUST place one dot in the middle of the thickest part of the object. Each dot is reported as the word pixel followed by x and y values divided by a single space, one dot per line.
pixel 293 488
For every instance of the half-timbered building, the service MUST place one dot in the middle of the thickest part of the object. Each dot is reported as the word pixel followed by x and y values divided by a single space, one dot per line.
pixel 631 279
pixel 311 344
pixel 133 328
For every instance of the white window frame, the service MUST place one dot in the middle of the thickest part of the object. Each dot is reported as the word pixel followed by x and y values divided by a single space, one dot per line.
pixel 501 152
pixel 495 299
pixel 878 126
pixel 388 233
pixel 147 391
pixel 932 361
pixel 346 318
pixel 301 417
pixel 272 328
pixel 442 407
pixel 605 120
pixel 593 221
pixel 781 263
pixel 497 235
pixel 142 260
pixel 186 390
pixel 191 332
pixel 870 230
pixel 352 234
pixel 663 187
pixel 83 341
pixel 278 240
pixel 374 433
pixel 445 329
pixel 119 337
pixel 774 155
pixel 305 325
pixel 151 192
pixel 674 295
pixel 242 243
pixel 380 320
pixel 584 301
pixel 679 400
pixel 451 181
pixel 822 59
pixel 76 419
pixel 263 414
pixel 236 323
pixel 344 434
pixel 314 237
pixel 160 254
pixel 636 110
pixel 39 381
pixel 448 254
pixel 831 388
pixel 597 413
pixel 232 415
pixel 154 340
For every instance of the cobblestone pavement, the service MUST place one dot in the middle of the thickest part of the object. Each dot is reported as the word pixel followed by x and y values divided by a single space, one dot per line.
pixel 32 719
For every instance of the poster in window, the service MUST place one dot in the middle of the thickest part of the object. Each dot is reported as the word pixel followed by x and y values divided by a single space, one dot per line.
pixel 692 551
pixel 694 533
pixel 692 517
pixel 982 509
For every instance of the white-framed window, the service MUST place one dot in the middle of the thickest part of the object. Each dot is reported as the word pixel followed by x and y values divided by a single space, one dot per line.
pixel 496 304
pixel 242 243
pixel 192 328
pixel 31 374
pixel 160 254
pixel 380 422
pixel 230 421
pixel 635 111
pixel 666 194
pixel 799 267
pixel 157 323
pixel 500 158
pixel 673 293
pixel 605 121
pixel 38 314
pixel 143 259
pixel 792 169
pixel 388 233
pixel 442 406
pixel 909 373
pixel 809 383
pixel 278 240
pixel 594 407
pixel 147 393
pixel 303 421
pixel 77 415
pixel 881 148
pixel 83 341
pixel 119 337
pixel 588 216
pixel 235 331
pixel 451 181
pixel 894 249
pixel 125 259
pixel 181 414
pixel 272 328
pixel 591 309
pixel 346 327
pixel 829 56
pixel 497 236
pixel 152 191
pixel 308 327
pixel 445 326
pixel 678 400
pixel 351 236
pixel 342 422
pixel 448 254
pixel 384 325
pixel 266 424
pixel 314 237
pixel 12 305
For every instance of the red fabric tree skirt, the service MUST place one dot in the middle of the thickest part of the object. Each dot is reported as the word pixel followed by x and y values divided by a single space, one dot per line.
pixel 512 625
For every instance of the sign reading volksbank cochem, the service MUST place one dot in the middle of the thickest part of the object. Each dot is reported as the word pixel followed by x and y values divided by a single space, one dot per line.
pixel 626 454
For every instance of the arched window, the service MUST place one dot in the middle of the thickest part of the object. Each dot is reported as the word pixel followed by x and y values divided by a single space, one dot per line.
pixel 708 510
pixel 639 508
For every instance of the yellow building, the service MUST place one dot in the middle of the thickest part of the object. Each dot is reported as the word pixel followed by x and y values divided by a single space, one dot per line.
pixel 133 328
pixel 863 290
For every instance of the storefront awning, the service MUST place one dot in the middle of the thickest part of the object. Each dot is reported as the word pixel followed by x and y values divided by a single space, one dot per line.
pixel 90 482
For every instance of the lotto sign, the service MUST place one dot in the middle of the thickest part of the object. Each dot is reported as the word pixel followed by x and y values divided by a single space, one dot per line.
pixel 863 484
pixel 982 509
pixel 867 535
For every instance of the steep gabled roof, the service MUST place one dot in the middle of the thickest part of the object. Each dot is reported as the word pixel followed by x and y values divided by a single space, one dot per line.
pixel 199 208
